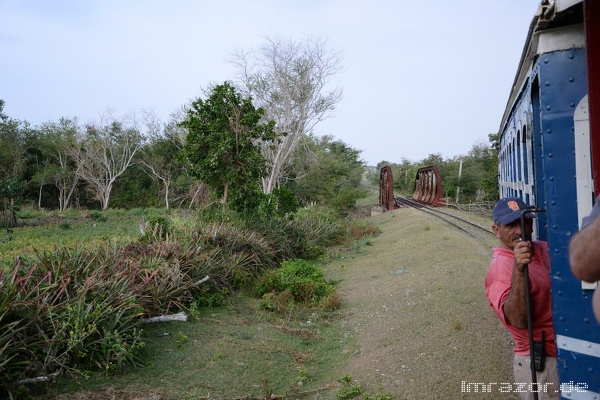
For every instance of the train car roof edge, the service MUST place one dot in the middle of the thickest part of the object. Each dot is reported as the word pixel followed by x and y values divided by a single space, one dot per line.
pixel 547 11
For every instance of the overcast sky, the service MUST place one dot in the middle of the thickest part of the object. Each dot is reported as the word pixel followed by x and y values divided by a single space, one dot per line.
pixel 419 77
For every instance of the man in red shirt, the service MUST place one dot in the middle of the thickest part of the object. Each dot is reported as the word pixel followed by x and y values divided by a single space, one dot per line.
pixel 506 292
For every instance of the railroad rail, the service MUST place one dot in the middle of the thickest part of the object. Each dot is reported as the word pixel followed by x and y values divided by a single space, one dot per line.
pixel 483 234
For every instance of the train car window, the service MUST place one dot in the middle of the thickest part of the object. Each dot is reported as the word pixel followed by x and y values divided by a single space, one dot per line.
pixel 526 157
pixel 518 158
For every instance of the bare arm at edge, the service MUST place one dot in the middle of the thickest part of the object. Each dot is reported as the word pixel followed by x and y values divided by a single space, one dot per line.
pixel 584 252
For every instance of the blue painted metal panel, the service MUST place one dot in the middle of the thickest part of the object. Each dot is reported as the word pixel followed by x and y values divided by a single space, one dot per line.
pixel 557 83
pixel 562 80
pixel 538 154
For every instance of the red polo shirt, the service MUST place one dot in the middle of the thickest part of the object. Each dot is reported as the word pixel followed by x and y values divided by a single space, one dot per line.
pixel 497 288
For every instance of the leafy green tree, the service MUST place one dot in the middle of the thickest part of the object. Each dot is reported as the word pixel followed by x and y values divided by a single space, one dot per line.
pixel 3 117
pixel 404 176
pixel 483 165
pixel 16 138
pixel 327 172
pixel 11 190
pixel 222 145
pixel 135 188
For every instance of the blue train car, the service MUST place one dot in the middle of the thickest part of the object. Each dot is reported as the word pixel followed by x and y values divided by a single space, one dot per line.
pixel 547 147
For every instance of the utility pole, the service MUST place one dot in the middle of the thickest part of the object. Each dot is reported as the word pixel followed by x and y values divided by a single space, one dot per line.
pixel 459 174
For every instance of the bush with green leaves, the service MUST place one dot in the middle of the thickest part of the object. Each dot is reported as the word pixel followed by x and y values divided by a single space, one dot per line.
pixel 98 216
pixel 280 203
pixel 303 279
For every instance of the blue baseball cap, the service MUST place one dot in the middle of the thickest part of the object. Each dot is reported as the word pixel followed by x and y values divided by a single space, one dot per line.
pixel 509 209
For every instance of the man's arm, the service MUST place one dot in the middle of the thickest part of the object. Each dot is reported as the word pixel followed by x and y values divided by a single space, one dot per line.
pixel 515 306
pixel 584 252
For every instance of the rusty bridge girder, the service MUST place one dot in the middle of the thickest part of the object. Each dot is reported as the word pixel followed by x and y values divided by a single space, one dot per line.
pixel 386 188
pixel 428 186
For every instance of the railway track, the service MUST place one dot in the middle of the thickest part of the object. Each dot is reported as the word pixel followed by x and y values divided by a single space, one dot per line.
pixel 483 234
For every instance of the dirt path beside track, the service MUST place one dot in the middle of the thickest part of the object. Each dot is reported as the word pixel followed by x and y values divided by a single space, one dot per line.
pixel 415 306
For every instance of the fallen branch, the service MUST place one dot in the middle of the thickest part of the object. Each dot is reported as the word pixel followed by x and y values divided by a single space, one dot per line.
pixel 167 318
pixel 37 379
pixel 201 281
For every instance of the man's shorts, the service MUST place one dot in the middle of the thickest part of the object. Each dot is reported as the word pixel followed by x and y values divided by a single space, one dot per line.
pixel 548 384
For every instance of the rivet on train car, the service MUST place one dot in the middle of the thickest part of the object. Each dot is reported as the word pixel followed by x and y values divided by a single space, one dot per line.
pixel 572 104
pixel 550 155
pixel 553 202
pixel 546 61
pixel 559 292
pixel 558 273
pixel 548 107
pixel 554 227
pixel 571 79
pixel 591 370
pixel 551 179
pixel 548 131
pixel 588 345
pixel 557 251
pixel 586 320
pixel 547 83
pixel 571 56
pixel 563 343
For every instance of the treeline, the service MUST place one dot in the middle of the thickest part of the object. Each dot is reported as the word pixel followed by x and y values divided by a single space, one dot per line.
pixel 240 142
pixel 136 161
pixel 465 178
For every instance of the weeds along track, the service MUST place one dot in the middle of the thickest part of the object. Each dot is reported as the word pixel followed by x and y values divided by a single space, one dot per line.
pixel 483 234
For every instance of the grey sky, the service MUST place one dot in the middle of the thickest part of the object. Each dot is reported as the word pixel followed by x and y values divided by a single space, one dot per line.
pixel 419 77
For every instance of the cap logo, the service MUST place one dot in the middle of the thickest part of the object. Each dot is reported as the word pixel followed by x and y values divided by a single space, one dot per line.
pixel 513 205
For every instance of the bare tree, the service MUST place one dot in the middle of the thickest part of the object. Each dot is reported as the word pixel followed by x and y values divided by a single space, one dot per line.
pixel 107 150
pixel 290 81
pixel 60 146
pixel 160 158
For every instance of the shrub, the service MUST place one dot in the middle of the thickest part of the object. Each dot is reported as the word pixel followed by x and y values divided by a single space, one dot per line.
pixel 319 226
pixel 98 216
pixel 331 302
pixel 157 226
pixel 304 280
pixel 304 234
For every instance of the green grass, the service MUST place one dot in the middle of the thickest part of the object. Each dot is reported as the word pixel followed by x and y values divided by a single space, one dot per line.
pixel 230 351
pixel 44 230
